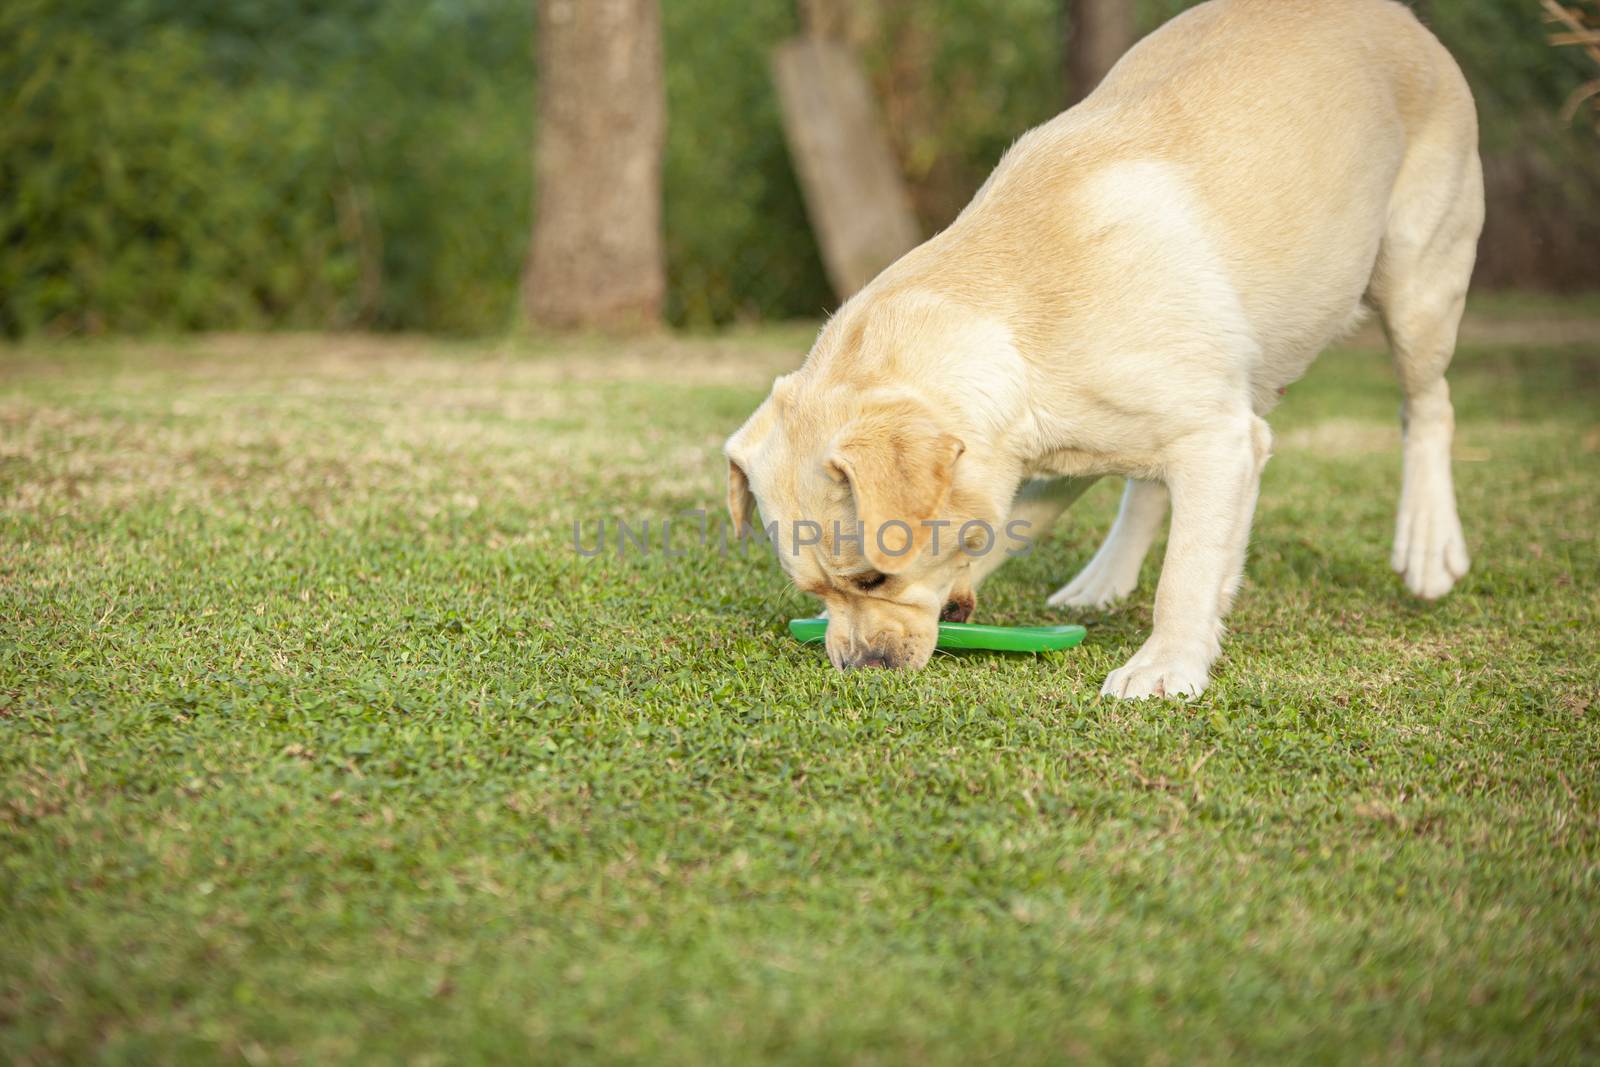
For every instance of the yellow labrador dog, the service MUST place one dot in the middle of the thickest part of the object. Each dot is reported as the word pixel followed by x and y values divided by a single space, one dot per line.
pixel 1128 294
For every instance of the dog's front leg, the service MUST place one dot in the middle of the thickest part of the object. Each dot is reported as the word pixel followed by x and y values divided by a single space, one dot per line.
pixel 1213 479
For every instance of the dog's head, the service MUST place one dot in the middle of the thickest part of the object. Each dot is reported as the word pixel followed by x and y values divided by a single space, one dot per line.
pixel 873 503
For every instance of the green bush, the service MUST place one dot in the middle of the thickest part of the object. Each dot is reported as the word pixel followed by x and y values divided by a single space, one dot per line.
pixel 125 203
pixel 168 164
pixel 738 244
pixel 173 165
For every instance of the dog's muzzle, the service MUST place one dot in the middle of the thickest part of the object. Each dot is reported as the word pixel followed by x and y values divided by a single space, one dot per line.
pixel 872 658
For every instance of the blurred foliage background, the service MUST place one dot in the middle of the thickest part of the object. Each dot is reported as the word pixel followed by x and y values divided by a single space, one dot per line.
pixel 170 164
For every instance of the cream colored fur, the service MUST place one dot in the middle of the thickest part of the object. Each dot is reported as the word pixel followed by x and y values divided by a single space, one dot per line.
pixel 1127 295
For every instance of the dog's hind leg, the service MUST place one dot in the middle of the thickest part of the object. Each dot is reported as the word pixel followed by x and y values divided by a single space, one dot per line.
pixel 1114 571
pixel 1419 289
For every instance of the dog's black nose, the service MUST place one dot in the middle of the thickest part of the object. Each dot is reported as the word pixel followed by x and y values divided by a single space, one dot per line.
pixel 869 659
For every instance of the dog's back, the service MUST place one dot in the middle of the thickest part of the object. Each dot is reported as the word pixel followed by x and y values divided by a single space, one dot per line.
pixel 1279 129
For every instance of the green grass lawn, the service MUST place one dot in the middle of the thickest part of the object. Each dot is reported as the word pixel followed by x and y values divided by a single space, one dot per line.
pixel 319 743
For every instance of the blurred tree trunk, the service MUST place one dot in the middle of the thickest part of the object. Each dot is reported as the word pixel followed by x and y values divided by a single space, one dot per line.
pixel 832 20
pixel 855 194
pixel 1098 32
pixel 596 259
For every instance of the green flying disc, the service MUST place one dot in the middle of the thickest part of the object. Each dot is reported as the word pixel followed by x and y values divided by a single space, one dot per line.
pixel 972 635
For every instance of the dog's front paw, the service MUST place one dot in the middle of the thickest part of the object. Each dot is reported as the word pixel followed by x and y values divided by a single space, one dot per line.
pixel 1160 671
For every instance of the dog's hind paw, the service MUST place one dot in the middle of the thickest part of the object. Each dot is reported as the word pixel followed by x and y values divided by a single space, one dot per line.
pixel 1430 553
pixel 1098 585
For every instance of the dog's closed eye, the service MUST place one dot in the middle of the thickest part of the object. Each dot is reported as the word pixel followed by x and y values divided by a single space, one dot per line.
pixel 869 581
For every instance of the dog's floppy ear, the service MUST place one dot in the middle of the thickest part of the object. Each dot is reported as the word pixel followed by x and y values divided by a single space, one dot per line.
pixel 900 467
pixel 741 502
pixel 739 449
